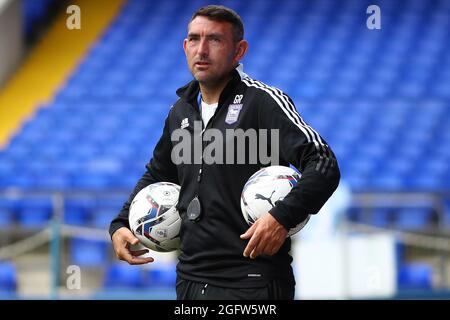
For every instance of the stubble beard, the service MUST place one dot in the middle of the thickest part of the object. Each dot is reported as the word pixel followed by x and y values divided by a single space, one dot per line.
pixel 213 81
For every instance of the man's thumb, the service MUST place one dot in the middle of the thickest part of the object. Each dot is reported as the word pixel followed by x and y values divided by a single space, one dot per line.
pixel 130 238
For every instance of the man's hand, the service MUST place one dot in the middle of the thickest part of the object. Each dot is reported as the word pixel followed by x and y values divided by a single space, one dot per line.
pixel 266 235
pixel 122 239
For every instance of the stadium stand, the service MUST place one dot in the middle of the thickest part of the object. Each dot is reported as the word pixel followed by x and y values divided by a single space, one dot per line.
pixel 381 100
pixel 81 135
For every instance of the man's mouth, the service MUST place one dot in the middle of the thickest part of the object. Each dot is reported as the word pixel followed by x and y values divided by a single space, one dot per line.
pixel 202 63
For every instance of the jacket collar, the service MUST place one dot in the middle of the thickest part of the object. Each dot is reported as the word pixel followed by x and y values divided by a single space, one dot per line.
pixel 190 91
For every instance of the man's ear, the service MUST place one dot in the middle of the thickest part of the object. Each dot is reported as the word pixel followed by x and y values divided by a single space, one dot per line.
pixel 241 49
pixel 184 46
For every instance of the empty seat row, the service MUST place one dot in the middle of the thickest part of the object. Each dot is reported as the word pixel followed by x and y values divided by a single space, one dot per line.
pixel 37 213
pixel 403 218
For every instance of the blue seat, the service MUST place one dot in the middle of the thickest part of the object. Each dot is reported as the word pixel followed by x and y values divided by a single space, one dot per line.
pixel 7 212
pixel 57 181
pixel 105 209
pixel 113 203
pixel 422 182
pixel 400 249
pixel 413 218
pixel 76 216
pixel 161 276
pixel 446 213
pixel 381 217
pixel 8 277
pixel 34 212
pixel 6 218
pixel 415 276
pixel 357 181
pixel 86 252
pixel 90 182
pixel 386 182
pixel 102 218
pixel 122 275
pixel 33 12
pixel 355 214
pixel 125 181
pixel 77 211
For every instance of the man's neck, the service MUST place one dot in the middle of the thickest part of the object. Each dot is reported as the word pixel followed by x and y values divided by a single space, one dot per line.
pixel 211 93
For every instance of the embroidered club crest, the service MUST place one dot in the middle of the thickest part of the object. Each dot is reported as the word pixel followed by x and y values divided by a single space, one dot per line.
pixel 233 113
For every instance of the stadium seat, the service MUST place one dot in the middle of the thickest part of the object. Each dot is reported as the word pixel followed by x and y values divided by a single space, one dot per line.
pixel 161 275
pixel 33 12
pixel 415 276
pixel 7 212
pixel 8 277
pixel 91 182
pixel 6 218
pixel 34 212
pixel 77 211
pixel 102 218
pixel 446 214
pixel 355 214
pixel 381 217
pixel 413 218
pixel 87 252
pixel 122 275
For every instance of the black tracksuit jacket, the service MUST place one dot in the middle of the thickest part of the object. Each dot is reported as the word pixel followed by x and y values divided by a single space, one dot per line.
pixel 211 250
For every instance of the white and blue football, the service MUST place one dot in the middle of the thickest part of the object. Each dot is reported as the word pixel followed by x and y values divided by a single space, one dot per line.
pixel 153 216
pixel 264 188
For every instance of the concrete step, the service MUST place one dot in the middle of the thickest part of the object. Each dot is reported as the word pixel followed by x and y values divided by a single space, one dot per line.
pixel 34 274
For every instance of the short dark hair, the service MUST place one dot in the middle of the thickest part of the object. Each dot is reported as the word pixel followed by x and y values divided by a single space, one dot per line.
pixel 222 13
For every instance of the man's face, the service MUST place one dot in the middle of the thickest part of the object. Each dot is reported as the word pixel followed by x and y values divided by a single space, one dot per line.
pixel 210 50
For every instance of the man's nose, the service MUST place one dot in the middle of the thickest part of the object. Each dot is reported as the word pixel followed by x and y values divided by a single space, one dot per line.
pixel 203 49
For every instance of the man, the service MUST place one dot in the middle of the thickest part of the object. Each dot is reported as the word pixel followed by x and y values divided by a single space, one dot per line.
pixel 220 257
